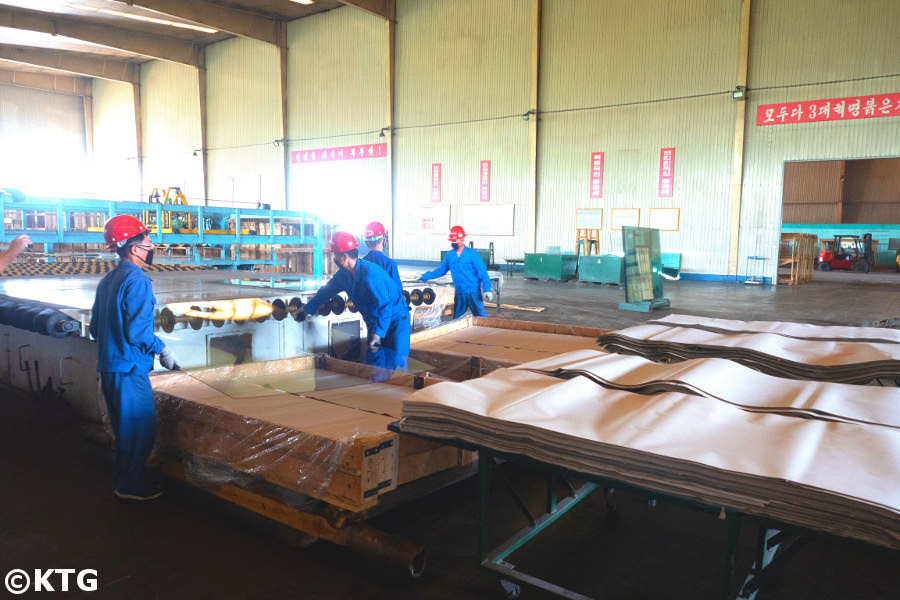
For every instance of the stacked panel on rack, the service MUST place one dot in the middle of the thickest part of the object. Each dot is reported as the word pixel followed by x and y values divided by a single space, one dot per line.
pixel 797 351
pixel 823 456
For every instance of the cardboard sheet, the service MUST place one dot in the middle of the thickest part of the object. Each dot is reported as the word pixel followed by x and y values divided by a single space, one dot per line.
pixel 835 477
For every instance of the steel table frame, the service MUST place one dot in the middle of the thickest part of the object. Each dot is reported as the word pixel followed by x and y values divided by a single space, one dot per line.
pixel 776 542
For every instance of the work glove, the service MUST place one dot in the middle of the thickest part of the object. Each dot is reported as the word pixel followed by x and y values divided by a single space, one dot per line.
pixel 167 359
pixel 300 314
pixel 375 342
pixel 488 296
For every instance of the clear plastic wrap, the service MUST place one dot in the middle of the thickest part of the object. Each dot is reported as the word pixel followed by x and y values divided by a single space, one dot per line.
pixel 314 426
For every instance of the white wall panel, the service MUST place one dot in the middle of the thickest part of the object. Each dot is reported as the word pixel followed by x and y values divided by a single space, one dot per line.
pixel 243 120
pixel 462 86
pixel 170 108
pixel 651 75
pixel 42 143
pixel 115 169
pixel 821 49
pixel 337 94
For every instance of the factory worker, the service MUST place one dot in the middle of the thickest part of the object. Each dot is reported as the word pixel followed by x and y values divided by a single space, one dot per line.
pixel 470 277
pixel 376 297
pixel 15 248
pixel 375 238
pixel 122 324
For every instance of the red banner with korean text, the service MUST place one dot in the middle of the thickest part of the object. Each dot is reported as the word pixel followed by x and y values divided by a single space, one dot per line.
pixel 484 179
pixel 835 109
pixel 666 172
pixel 436 182
pixel 596 175
pixel 340 153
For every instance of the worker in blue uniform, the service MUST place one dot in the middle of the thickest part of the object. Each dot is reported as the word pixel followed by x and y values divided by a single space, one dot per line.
pixel 122 323
pixel 377 298
pixel 375 238
pixel 470 278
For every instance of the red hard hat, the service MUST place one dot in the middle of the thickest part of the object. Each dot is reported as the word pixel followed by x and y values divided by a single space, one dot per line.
pixel 120 228
pixel 457 233
pixel 374 231
pixel 342 241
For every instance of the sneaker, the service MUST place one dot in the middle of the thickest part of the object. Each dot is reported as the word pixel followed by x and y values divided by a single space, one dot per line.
pixel 148 493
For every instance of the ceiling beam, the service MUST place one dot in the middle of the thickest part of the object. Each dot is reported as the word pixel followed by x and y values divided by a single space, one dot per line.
pixel 230 20
pixel 98 66
pixel 386 9
pixel 90 30
pixel 61 84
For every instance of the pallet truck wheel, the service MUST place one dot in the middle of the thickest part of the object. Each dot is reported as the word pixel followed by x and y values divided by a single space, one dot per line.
pixel 825 267
pixel 862 267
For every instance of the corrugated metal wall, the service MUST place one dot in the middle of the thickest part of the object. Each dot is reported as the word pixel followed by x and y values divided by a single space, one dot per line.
pixel 243 119
pixel 42 142
pixel 627 79
pixel 337 94
pixel 170 109
pixel 115 141
pixel 463 71
pixel 813 48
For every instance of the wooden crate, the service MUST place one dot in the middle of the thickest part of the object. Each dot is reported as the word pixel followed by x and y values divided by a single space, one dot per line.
pixel 797 254
pixel 320 430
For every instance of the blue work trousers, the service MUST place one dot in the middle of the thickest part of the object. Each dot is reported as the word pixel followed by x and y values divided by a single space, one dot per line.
pixel 468 301
pixel 394 350
pixel 129 400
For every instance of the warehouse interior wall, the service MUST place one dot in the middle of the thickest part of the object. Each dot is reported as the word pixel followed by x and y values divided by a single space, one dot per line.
pixel 170 120
pixel 839 50
pixel 462 89
pixel 243 112
pixel 43 150
pixel 115 166
pixel 624 79
pixel 338 102
pixel 628 79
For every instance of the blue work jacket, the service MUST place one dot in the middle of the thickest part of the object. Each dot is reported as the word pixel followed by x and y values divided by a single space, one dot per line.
pixel 386 263
pixel 371 290
pixel 468 271
pixel 122 321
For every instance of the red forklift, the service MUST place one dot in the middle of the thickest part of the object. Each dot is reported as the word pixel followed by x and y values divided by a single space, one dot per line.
pixel 850 252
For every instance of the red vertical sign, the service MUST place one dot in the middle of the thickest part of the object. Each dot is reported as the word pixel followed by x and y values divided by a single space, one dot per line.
pixel 485 181
pixel 596 174
pixel 436 182
pixel 666 172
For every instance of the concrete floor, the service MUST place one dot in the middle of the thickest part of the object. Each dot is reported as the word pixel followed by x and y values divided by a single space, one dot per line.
pixel 57 511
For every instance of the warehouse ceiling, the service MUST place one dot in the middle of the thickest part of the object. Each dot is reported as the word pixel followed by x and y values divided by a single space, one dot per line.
pixel 106 38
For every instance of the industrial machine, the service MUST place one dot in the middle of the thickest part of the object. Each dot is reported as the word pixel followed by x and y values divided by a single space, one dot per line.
pixel 849 252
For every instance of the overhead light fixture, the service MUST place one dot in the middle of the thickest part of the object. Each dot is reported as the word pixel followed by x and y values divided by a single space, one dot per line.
pixel 116 13
pixel 304 1
pixel 383 129
pixel 739 93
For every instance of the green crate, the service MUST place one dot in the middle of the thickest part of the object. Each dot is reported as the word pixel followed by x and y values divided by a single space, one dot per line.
pixel 551 266
pixel 601 268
